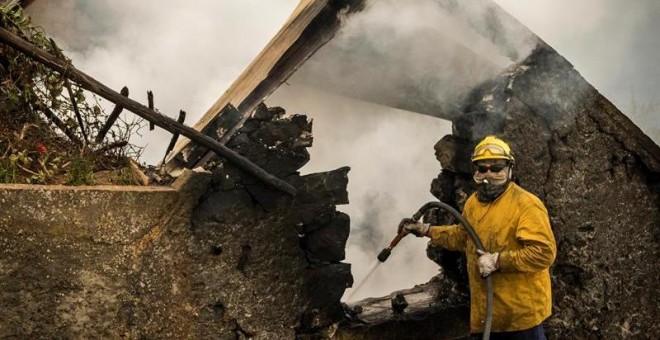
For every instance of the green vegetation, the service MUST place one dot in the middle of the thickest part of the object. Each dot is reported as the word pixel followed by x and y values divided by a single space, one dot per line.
pixel 41 136
pixel 80 172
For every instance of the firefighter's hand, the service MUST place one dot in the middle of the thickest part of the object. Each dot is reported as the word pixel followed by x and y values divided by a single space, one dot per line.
pixel 487 262
pixel 409 226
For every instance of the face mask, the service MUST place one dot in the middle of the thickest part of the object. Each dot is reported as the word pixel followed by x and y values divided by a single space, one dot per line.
pixel 491 185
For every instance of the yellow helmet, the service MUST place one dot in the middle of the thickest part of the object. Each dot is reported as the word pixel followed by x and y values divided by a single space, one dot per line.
pixel 492 147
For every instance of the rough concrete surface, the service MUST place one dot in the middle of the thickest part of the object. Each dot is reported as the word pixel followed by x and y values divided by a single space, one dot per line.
pixel 66 254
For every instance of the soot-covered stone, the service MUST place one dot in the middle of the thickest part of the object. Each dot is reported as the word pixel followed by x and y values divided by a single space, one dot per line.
pixel 597 174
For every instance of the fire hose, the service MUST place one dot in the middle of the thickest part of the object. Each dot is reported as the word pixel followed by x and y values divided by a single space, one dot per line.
pixel 385 253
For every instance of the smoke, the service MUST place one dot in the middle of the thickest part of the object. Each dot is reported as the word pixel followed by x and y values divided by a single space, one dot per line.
pixel 392 162
pixel 187 53
pixel 613 44
pixel 412 55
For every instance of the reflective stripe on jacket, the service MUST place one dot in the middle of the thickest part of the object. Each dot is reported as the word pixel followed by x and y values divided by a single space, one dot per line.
pixel 518 227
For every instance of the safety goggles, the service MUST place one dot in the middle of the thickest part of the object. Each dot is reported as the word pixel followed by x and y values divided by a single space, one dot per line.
pixel 490 150
pixel 497 167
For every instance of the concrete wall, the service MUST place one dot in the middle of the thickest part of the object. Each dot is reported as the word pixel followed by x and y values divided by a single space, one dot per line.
pixel 217 255
pixel 68 256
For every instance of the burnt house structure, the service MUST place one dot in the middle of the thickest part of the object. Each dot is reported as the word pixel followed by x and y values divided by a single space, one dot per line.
pixel 562 128
pixel 242 259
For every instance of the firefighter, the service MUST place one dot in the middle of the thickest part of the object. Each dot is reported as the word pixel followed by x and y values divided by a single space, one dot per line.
pixel 514 228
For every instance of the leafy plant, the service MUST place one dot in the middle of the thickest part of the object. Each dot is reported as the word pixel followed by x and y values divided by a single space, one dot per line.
pixel 80 172
pixel 49 167
pixel 126 177
pixel 37 108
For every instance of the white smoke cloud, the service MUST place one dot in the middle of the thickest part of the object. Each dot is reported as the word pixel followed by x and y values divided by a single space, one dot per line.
pixel 412 55
pixel 187 53
pixel 407 54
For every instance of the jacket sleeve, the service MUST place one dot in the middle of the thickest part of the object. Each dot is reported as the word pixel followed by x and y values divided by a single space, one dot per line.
pixel 538 243
pixel 452 237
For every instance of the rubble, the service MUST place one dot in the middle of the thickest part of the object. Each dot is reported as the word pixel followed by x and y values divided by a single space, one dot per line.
pixel 435 310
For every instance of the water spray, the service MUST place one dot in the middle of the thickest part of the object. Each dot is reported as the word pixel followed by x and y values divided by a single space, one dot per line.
pixel 387 251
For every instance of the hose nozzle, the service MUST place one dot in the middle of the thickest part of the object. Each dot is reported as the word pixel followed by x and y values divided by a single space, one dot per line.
pixel 384 254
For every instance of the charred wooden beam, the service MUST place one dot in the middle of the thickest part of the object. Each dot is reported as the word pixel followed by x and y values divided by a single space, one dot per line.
pixel 312 25
pixel 434 310
pixel 190 158
pixel 150 101
pixel 167 123
pixel 112 118
pixel 180 120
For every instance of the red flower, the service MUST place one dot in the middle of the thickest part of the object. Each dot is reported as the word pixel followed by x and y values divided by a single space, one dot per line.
pixel 40 148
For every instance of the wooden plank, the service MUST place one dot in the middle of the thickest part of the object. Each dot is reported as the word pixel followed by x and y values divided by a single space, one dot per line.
pixel 150 103
pixel 72 97
pixel 256 72
pixel 59 123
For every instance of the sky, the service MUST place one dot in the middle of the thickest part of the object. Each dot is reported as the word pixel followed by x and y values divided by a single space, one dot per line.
pixel 189 55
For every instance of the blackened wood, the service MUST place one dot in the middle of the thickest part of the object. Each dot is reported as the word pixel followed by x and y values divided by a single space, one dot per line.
pixel 150 101
pixel 229 116
pixel 167 123
pixel 81 123
pixel 112 118
pixel 115 145
pixel 180 120
pixel 318 32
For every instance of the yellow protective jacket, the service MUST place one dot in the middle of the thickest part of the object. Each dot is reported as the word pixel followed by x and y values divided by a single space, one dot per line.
pixel 517 226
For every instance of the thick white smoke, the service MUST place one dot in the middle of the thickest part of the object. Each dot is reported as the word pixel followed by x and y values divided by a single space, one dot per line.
pixel 392 162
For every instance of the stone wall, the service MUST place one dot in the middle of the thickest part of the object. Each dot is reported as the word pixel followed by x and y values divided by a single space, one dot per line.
pixel 218 255
pixel 279 257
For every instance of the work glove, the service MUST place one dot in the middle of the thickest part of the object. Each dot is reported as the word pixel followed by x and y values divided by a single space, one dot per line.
pixel 410 226
pixel 487 262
